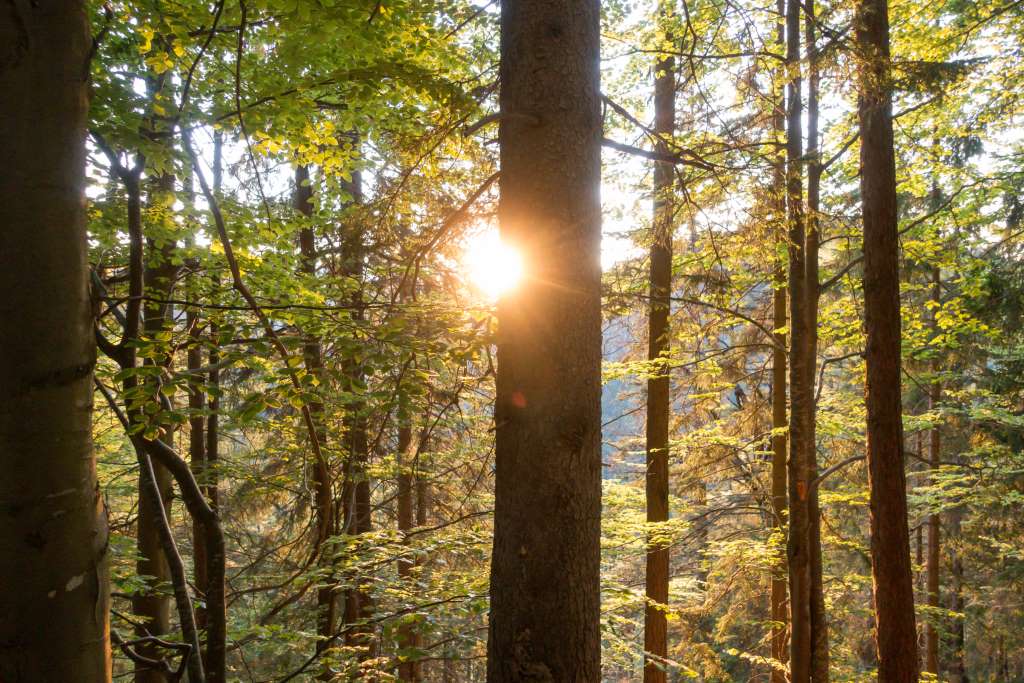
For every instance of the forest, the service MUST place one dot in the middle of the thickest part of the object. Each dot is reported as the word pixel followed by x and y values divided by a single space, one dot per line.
pixel 517 341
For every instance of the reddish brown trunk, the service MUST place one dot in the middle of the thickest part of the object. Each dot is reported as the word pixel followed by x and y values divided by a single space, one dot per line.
pixel 658 406
pixel 545 569
pixel 896 637
pixel 801 396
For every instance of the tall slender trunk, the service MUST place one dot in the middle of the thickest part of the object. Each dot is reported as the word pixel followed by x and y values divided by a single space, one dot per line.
pixel 801 394
pixel 409 670
pixel 890 543
pixel 658 402
pixel 819 621
pixel 153 607
pixel 356 505
pixel 312 353
pixel 545 571
pixel 215 611
pixel 780 422
pixel 54 596
pixel 958 667
pixel 197 457
pixel 934 460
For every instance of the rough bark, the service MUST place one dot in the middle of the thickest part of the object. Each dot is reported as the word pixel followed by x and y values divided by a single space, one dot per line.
pixel 53 577
pixel 545 569
pixel 891 569
pixel 799 550
pixel 658 401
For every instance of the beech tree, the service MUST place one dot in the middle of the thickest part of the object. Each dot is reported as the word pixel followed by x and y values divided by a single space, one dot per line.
pixel 54 602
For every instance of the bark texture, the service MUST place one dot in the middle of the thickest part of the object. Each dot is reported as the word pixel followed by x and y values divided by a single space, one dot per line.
pixel 53 531
pixel 658 401
pixel 545 581
pixel 801 396
pixel 896 632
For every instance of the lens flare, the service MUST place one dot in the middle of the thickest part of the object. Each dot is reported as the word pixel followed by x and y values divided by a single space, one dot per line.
pixel 493 267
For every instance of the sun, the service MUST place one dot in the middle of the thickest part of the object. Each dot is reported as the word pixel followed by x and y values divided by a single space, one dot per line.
pixel 493 267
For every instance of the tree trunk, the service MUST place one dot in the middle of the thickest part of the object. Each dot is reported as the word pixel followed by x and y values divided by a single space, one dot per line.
pixel 408 671
pixel 312 352
pixel 545 570
pixel 890 543
pixel 934 459
pixel 658 402
pixel 356 488
pixel 153 607
pixel 801 394
pixel 812 238
pixel 958 668
pixel 216 604
pixel 780 422
pixel 53 577
pixel 197 459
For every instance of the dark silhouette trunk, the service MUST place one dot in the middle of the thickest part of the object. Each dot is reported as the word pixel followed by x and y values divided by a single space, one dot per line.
pixel 812 238
pixel 312 353
pixel 545 570
pixel 896 636
pixel 53 577
pixel 658 405
pixel 153 607
pixel 356 508
pixel 197 458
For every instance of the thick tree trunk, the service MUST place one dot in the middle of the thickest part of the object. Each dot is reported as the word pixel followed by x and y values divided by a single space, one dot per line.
pixel 890 543
pixel 658 402
pixel 801 394
pixel 545 569
pixel 312 352
pixel 53 577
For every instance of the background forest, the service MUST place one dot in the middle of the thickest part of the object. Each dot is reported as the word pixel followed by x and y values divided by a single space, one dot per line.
pixel 294 266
